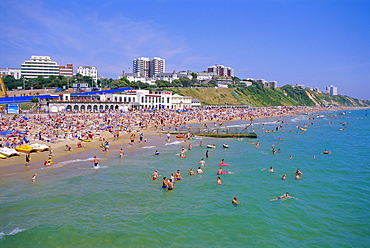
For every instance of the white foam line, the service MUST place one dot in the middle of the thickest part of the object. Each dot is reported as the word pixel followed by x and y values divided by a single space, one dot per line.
pixel 13 232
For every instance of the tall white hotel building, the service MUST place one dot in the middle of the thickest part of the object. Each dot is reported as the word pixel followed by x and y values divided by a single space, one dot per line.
pixel 39 66
pixel 148 67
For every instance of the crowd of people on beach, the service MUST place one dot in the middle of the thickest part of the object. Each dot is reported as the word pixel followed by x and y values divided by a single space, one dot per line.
pixel 85 125
pixel 77 126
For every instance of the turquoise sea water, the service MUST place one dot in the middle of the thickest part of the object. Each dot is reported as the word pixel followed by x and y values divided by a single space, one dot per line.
pixel 119 205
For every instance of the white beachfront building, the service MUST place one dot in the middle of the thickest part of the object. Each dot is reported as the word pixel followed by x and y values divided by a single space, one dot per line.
pixel 139 99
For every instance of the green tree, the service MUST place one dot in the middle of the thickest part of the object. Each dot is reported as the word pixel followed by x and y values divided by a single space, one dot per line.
pixel 235 79
pixel 185 82
pixel 11 83
pixel 194 75
pixel 116 84
pixel 162 83
pixel 34 83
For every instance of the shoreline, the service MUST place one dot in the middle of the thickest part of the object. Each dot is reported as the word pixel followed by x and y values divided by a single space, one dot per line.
pixel 14 164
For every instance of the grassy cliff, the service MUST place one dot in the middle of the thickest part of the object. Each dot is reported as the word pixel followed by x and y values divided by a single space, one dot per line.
pixel 259 96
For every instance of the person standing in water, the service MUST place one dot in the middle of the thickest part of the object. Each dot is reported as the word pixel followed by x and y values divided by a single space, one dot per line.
pixel 121 153
pixel 219 182
pixel 164 183
pixel 95 161
pixel 178 175
pixel 202 162
pixel 28 159
pixel 170 184
pixel 155 175
pixel 33 179
pixel 168 136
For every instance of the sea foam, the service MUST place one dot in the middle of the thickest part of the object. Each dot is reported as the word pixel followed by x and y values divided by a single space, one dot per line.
pixel 13 232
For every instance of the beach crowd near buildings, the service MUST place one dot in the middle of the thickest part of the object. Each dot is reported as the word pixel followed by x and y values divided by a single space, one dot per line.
pixel 64 129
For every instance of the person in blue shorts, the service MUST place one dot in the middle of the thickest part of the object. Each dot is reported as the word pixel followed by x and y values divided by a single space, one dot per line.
pixel 178 175
pixel 164 183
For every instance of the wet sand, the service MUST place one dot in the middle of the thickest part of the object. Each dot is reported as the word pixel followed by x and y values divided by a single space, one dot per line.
pixel 15 164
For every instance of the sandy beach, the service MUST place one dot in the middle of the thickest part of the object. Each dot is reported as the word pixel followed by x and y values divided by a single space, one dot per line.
pixel 150 129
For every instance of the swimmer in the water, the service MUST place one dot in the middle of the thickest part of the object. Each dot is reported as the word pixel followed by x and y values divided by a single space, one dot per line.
pixel 155 175
pixel 191 172
pixel 219 171
pixel 207 154
pixel 170 184
pixel 271 169
pixel 164 183
pixel 178 175
pixel 172 177
pixel 95 161
pixel 33 179
pixel 283 177
pixel 199 171
pixel 121 153
pixel 222 161
pixel 326 152
pixel 202 162
pixel 286 195
pixel 219 182
pixel 235 201
pixel 299 172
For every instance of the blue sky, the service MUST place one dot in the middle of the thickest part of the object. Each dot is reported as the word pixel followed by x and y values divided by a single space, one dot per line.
pixel 315 43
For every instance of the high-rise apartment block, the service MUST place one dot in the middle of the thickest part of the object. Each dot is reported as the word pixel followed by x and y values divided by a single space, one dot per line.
pixel 66 70
pixel 156 65
pixel 141 66
pixel 221 71
pixel 148 67
pixel 39 66
pixel 332 90
pixel 89 71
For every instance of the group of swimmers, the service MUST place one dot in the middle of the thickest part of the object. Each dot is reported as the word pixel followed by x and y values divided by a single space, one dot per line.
pixel 167 184
pixel 298 173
